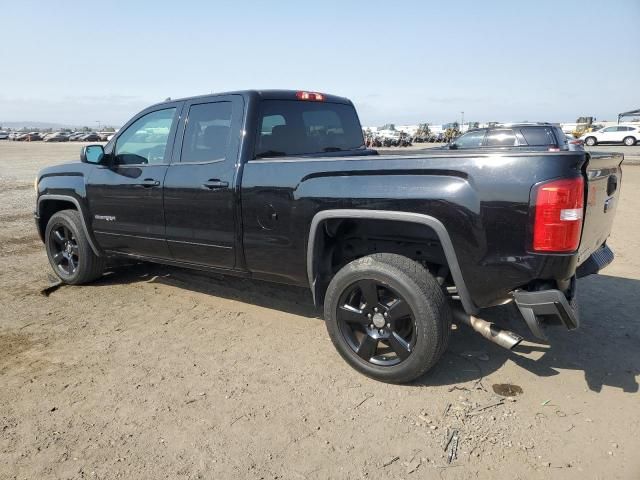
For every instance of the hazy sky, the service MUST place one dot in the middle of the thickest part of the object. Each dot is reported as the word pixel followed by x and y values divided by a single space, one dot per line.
pixel 403 62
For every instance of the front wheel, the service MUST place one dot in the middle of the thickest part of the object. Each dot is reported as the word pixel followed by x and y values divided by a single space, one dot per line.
pixel 68 249
pixel 591 141
pixel 629 141
pixel 387 317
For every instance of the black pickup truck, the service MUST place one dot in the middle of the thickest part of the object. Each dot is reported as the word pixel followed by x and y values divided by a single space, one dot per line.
pixel 278 185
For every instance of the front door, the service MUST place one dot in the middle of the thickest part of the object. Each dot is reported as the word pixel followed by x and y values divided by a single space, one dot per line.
pixel 199 193
pixel 125 194
pixel 610 134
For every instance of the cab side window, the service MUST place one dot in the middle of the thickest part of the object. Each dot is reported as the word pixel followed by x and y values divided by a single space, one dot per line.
pixel 144 142
pixel 208 133
pixel 470 139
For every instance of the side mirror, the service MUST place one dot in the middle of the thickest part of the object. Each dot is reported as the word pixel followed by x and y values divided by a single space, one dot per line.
pixel 92 154
pixel 453 146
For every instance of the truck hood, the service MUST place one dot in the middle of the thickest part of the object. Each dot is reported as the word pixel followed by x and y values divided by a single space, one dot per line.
pixel 70 168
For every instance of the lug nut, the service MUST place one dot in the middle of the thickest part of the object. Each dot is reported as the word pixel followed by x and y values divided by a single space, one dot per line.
pixel 388 325
pixel 371 326
pixel 380 331
pixel 386 314
pixel 369 315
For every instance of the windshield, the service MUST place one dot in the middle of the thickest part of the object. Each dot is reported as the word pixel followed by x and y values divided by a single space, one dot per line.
pixel 294 127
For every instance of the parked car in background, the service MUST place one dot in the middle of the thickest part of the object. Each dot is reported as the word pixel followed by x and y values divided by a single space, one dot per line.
pixel 89 137
pixel 4 135
pixel 532 136
pixel 56 137
pixel 75 136
pixel 626 134
pixel 28 137
pixel 575 143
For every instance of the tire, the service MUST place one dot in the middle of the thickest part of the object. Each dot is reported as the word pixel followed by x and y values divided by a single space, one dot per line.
pixel 68 250
pixel 591 141
pixel 349 316
pixel 629 141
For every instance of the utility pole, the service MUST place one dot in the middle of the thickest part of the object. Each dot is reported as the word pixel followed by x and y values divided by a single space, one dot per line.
pixel 462 122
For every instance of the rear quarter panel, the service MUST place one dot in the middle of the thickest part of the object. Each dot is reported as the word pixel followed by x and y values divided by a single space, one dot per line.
pixel 481 198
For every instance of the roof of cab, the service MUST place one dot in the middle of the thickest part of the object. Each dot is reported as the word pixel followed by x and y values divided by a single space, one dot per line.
pixel 262 95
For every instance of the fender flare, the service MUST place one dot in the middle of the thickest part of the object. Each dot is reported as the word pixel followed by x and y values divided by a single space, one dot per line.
pixel 69 198
pixel 434 223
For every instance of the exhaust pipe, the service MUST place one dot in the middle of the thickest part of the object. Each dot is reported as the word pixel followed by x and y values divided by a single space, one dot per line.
pixel 488 330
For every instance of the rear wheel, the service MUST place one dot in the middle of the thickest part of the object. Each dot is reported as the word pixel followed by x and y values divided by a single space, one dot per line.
pixel 387 317
pixel 629 141
pixel 591 141
pixel 68 249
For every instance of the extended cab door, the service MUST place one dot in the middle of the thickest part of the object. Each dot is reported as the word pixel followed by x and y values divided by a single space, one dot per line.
pixel 125 194
pixel 199 189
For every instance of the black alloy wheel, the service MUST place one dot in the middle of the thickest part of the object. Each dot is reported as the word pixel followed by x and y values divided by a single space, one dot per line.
pixel 64 249
pixel 387 316
pixel 376 322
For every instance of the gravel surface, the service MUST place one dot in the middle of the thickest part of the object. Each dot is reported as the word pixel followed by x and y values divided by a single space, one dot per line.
pixel 158 372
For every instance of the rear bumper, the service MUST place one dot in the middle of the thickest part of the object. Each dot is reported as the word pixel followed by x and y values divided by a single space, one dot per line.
pixel 553 306
pixel 596 261
pixel 549 303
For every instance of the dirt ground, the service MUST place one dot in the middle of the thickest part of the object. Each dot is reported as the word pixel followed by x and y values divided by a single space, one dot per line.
pixel 157 372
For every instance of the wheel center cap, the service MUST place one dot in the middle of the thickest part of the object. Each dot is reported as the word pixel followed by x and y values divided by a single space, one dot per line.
pixel 378 320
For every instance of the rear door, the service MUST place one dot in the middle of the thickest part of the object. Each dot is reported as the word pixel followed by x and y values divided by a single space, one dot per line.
pixel 199 188
pixel 500 137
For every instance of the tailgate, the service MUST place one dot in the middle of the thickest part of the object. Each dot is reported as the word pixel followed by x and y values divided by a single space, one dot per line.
pixel 604 177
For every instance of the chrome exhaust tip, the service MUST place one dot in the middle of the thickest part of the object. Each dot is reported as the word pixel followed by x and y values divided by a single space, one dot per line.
pixel 505 338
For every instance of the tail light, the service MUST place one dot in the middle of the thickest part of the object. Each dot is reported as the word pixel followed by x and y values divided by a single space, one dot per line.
pixel 313 96
pixel 558 207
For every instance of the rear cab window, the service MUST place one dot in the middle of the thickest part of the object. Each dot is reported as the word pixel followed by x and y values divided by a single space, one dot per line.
pixel 295 127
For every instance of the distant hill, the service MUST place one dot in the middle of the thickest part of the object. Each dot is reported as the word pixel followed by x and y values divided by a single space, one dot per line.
pixel 28 124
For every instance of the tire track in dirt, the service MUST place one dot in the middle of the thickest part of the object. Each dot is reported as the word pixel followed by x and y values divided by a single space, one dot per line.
pixel 20 245
pixel 15 217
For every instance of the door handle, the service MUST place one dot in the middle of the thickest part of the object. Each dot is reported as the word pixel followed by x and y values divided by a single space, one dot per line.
pixel 148 183
pixel 612 185
pixel 214 183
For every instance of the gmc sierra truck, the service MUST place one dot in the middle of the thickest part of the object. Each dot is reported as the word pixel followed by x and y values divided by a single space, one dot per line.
pixel 279 186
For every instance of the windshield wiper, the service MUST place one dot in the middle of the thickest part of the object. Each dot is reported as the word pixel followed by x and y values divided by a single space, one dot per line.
pixel 270 153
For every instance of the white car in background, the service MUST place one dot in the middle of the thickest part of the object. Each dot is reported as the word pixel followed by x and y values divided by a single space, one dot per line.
pixel 4 135
pixel 625 134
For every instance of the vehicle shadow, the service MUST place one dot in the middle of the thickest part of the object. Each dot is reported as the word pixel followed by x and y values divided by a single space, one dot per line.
pixel 605 347
pixel 295 300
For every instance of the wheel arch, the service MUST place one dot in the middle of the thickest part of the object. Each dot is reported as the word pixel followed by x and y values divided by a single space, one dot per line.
pixel 49 204
pixel 315 245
